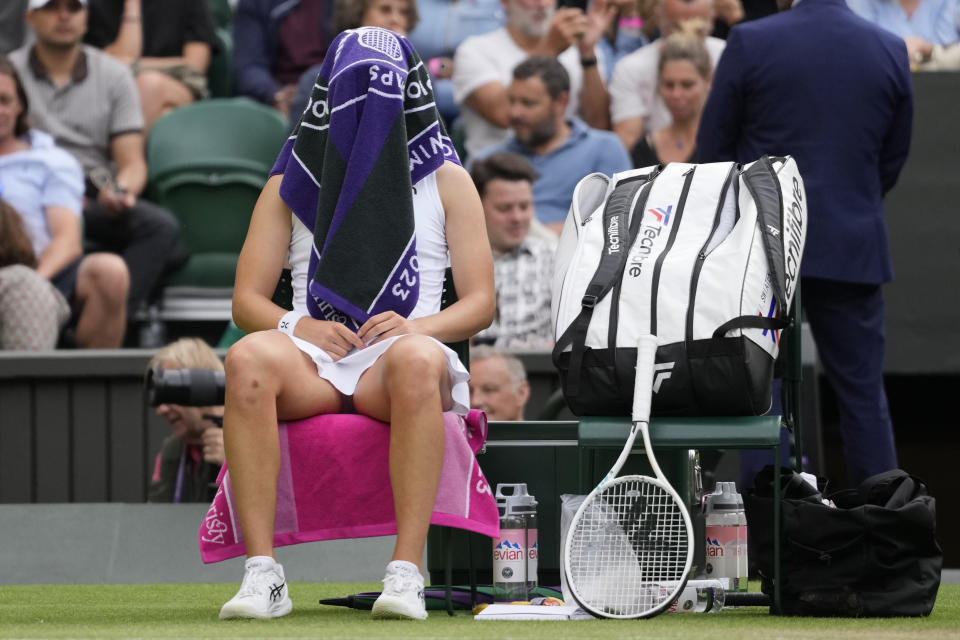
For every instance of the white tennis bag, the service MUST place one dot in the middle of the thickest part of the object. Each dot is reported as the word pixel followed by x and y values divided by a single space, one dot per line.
pixel 706 257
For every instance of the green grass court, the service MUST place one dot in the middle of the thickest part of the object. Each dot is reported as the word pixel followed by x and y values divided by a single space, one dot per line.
pixel 190 611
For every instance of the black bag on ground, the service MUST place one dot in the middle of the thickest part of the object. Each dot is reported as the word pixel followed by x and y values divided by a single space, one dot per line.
pixel 874 554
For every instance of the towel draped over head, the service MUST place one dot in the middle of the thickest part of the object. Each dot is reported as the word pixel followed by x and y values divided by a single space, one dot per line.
pixel 371 130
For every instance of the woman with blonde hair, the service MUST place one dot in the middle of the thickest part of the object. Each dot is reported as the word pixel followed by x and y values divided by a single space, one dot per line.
pixel 683 81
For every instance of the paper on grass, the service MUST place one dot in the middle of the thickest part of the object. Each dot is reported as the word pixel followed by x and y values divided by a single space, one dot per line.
pixel 532 612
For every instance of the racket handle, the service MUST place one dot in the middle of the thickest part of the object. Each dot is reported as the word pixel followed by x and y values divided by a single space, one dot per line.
pixel 643 381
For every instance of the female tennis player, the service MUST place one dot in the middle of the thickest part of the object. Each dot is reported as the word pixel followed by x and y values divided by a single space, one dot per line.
pixel 368 205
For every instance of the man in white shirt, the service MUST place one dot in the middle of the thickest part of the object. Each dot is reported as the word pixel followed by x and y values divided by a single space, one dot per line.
pixel 483 65
pixel 635 103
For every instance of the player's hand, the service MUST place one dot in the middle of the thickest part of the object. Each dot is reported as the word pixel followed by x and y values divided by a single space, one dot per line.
pixel 385 325
pixel 213 445
pixel 333 337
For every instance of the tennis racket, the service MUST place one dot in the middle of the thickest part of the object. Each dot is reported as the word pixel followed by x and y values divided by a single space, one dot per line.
pixel 629 548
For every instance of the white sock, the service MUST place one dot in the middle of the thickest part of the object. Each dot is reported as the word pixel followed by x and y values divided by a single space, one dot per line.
pixel 262 562
pixel 404 566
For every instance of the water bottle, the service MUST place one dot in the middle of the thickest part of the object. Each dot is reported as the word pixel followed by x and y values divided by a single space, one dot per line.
pixel 726 537
pixel 699 596
pixel 515 551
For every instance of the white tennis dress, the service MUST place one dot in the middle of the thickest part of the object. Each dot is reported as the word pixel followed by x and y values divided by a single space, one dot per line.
pixel 433 257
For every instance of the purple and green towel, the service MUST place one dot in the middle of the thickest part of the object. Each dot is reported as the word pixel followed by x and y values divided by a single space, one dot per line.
pixel 370 131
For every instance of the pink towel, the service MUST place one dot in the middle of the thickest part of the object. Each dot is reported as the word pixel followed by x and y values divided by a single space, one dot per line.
pixel 334 484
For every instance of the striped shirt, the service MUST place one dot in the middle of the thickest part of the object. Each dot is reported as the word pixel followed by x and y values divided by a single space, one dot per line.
pixel 522 279
pixel 97 103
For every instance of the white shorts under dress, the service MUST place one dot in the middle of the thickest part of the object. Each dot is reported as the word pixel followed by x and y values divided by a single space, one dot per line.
pixel 433 258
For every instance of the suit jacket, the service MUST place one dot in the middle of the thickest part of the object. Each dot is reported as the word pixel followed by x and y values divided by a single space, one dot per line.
pixel 821 84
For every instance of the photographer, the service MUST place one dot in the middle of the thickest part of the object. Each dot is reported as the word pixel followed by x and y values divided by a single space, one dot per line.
pixel 187 465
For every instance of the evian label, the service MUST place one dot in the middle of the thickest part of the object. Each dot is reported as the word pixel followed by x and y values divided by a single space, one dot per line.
pixel 511 551
pixel 726 555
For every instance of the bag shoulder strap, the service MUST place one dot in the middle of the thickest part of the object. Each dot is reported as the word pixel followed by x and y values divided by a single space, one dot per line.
pixel 616 245
pixel 761 181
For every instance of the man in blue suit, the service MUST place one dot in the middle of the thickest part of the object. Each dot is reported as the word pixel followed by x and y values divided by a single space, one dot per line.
pixel 834 91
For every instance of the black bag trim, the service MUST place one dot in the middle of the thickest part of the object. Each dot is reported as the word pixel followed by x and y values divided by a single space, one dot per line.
pixel 762 182
pixel 750 322
pixel 658 265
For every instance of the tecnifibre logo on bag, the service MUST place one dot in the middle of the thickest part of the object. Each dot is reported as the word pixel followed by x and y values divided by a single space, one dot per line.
pixel 793 219
pixel 662 215
pixel 661 372
pixel 613 236
pixel 649 233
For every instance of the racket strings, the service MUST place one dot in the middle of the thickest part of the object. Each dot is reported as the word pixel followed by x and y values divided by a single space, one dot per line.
pixel 628 552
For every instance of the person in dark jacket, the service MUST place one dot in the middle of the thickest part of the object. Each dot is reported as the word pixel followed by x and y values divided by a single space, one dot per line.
pixel 822 84
pixel 275 42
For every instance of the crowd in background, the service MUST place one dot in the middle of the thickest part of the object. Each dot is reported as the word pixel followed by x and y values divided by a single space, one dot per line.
pixel 536 93
pixel 537 96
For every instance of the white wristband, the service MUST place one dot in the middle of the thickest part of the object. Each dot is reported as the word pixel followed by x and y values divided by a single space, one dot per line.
pixel 289 322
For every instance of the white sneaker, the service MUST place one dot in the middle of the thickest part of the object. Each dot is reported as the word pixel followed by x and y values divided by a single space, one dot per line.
pixel 402 597
pixel 263 593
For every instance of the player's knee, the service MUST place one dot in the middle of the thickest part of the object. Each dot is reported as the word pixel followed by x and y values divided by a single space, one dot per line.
pixel 414 359
pixel 252 363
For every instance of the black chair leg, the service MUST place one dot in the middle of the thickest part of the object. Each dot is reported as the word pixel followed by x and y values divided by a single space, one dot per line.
pixel 473 573
pixel 448 567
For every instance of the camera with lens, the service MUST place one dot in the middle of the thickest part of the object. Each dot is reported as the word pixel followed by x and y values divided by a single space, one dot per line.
pixel 186 387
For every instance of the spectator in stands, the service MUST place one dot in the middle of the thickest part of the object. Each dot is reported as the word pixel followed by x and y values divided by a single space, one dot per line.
pixel 498 383
pixel 683 81
pixel 625 34
pixel 483 64
pixel 44 185
pixel 767 98
pixel 275 41
pixel 32 310
pixel 168 45
pixel 522 261
pixel 13 28
pixel 635 102
pixel 190 458
pixel 398 16
pixel 926 26
pixel 443 25
pixel 561 150
pixel 88 102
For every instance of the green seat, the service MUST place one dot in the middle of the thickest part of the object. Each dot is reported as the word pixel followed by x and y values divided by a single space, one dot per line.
pixel 220 71
pixel 216 135
pixel 221 13
pixel 673 437
pixel 207 163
